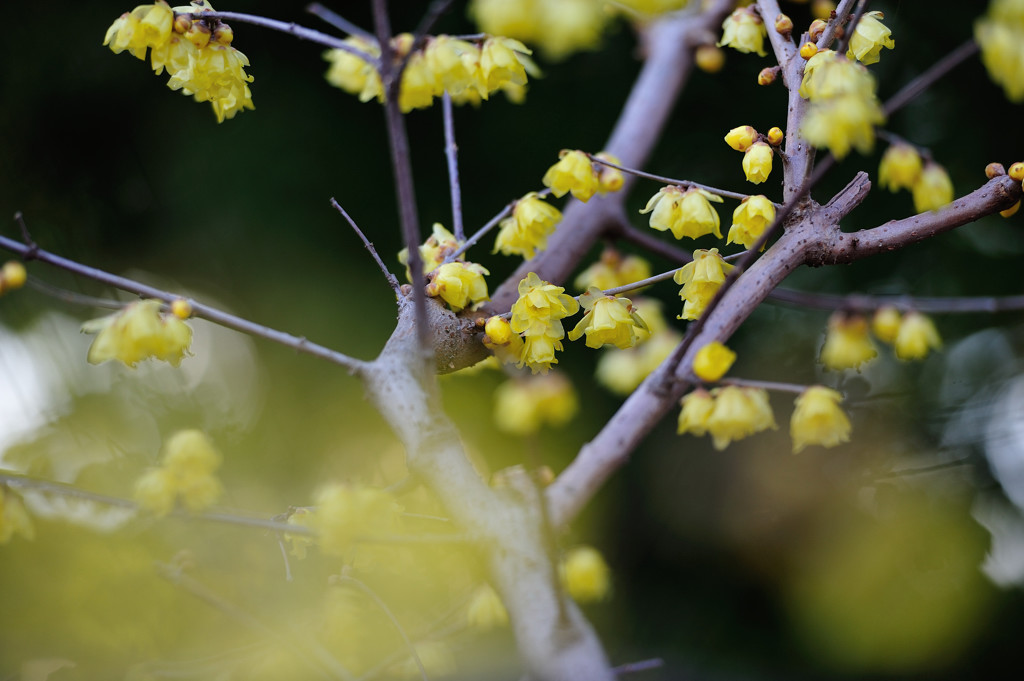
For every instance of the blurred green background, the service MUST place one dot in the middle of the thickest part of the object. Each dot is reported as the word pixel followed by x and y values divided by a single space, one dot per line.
pixel 745 564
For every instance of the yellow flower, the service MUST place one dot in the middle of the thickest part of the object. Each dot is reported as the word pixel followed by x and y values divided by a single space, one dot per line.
pixel 146 26
pixel 419 84
pixel 522 406
pixel 709 58
pixel 741 138
pixel 12 276
pixel 460 284
pixel 574 172
pixel 186 475
pixel 486 611
pixel 847 344
pixel 351 73
pixel 917 335
pixel 933 188
pixel 346 512
pixel 886 324
pixel 818 420
pixel 502 341
pixel 900 167
pixel 754 215
pixel 608 179
pixel 218 76
pixel 651 8
pixel 621 371
pixel 868 39
pixel 539 349
pixel 684 213
pixel 585 574
pixel 701 280
pixel 738 413
pixel 1000 34
pixel 844 108
pixel 500 63
pixel 696 410
pixel 613 270
pixel 526 231
pixel 536 316
pixel 757 162
pixel 713 361
pixel 558 28
pixel 455 66
pixel 439 245
pixel 14 518
pixel 608 321
pixel 744 31
pixel 138 332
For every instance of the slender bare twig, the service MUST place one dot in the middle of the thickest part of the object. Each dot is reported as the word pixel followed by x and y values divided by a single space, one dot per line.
pixel 294 29
pixel 451 152
pixel 859 302
pixel 214 315
pixel 841 14
pixel 73 297
pixel 338 21
pixel 641 666
pixel 481 233
pixel 671 181
pixel 391 616
pixel 649 242
pixel 767 385
pixel 392 280
pixel 922 82
pixel 639 284
pixel 844 42
pixel 25 236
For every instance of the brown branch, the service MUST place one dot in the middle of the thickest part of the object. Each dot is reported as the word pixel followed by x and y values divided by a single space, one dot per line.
pixel 294 29
pixel 939 69
pixel 337 21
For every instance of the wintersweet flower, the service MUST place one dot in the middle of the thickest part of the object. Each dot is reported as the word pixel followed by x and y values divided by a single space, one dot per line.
pixel 608 321
pixel 435 250
pixel 218 76
pixel 696 410
pixel 847 344
pixel 13 276
pixel 1000 34
pixel 499 338
pixel 455 65
pixel 346 512
pixel 539 349
pixel 14 518
pixel 353 74
pixel 713 361
pixel 818 420
pixel 186 475
pixel 741 138
pixel 574 173
pixel 585 574
pixel 868 39
pixel 460 284
pixel 701 280
pixel 621 371
pixel 613 270
pixel 738 413
pixel 486 611
pixel 139 331
pixel 523 406
pixel 754 215
pixel 900 167
pixel 500 63
pixel 757 162
pixel 916 337
pixel 526 231
pixel 684 213
pixel 933 188
pixel 844 108
pixel 886 324
pixel 608 179
pixel 536 315
pixel 744 31
pixel 146 26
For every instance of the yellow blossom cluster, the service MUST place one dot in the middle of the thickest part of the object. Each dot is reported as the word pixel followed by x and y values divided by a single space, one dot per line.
pixel 818 420
pixel 868 39
pixel 197 53
pixel 344 513
pixel 613 270
pixel 848 344
pixel 901 167
pixel 575 172
pixel 468 70
pixel 585 574
pixel 537 316
pixel 621 371
pixel 435 250
pixel 523 405
pixel 1000 34
pixel 701 278
pixel 750 219
pixel 744 31
pixel 608 321
pixel 186 475
pixel 684 212
pixel 728 413
pixel 12 276
pixel 843 106
pixel 458 283
pixel 139 331
pixel 526 231
pixel 757 150
pixel 14 518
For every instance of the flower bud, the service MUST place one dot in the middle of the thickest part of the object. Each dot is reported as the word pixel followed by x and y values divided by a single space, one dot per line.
pixel 783 24
pixel 223 35
pixel 498 330
pixel 808 50
pixel 198 34
pixel 709 58
pixel 816 29
pixel 822 9
pixel 994 170
pixel 741 138
pixel 13 275
pixel 182 22
pixel 767 75
pixel 181 308
pixel 1017 171
pixel 713 361
pixel 757 162
pixel 1009 212
pixel 775 136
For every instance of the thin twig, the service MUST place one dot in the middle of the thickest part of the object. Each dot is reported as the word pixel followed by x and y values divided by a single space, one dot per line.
pixel 627 232
pixel 480 233
pixel 641 666
pixel 73 297
pixel 391 616
pixel 25 236
pixel 859 302
pixel 924 470
pixel 795 388
pixel 832 27
pixel 857 14
pixel 214 315
pixel 451 152
pixel 671 181
pixel 294 29
pixel 922 82
pixel 337 21
pixel 392 280
pixel 640 284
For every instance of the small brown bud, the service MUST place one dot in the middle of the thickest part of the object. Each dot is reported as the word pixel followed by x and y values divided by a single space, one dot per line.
pixel 182 22
pixel 993 170
pixel 816 29
pixel 767 75
pixel 783 24
pixel 223 35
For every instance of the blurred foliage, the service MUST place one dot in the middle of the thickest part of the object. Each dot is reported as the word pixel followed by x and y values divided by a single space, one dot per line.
pixel 749 563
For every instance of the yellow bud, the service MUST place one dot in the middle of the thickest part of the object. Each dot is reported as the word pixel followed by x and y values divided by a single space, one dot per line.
pixel 822 9
pixel 1017 171
pixel 713 361
pixel 886 323
pixel 223 35
pixel 1011 210
pixel 182 22
pixel 775 136
pixel 808 50
pixel 816 29
pixel 741 138
pixel 498 330
pixel 767 75
pixel 585 574
pixel 993 170
pixel 709 58
pixel 12 276
pixel 198 34
pixel 783 24
pixel 181 308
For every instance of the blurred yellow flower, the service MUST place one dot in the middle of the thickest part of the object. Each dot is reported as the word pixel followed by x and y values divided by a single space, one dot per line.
pixel 523 405
pixel 933 188
pixel 486 611
pixel 847 343
pixel 916 337
pixel 585 574
pixel 738 413
pixel 900 167
pixel 1000 34
pixel 186 475
pixel 713 361
pixel 138 332
pixel 14 518
pixel 146 26
pixel 886 324
pixel 818 420
pixel 608 179
pixel 696 410
pixel 439 245
pixel 346 512
pixel 613 270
